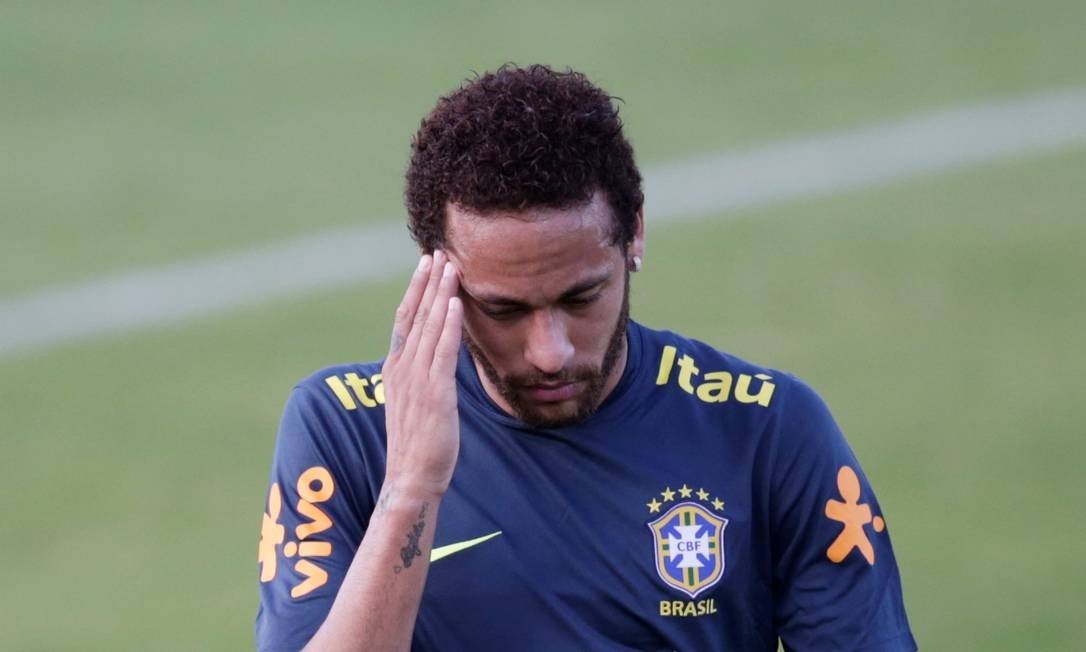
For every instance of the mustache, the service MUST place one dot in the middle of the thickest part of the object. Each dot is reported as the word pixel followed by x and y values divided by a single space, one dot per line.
pixel 576 374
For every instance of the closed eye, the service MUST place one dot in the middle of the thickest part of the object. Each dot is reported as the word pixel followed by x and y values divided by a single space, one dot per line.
pixel 500 308
pixel 507 313
pixel 502 314
pixel 581 301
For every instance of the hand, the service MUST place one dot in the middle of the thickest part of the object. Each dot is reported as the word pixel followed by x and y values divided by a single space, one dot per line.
pixel 421 416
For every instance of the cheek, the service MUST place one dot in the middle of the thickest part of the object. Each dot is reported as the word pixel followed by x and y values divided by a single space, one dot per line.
pixel 499 342
pixel 591 330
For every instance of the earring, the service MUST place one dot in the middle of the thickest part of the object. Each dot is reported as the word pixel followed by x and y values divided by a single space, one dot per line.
pixel 637 263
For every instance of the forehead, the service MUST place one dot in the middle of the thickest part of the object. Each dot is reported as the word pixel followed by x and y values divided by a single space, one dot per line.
pixel 531 251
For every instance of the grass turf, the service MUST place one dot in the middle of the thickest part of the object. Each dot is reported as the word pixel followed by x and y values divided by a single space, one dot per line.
pixel 940 318
pixel 139 133
pixel 933 316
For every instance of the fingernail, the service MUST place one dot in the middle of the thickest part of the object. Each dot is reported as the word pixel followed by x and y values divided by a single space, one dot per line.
pixel 448 271
pixel 423 263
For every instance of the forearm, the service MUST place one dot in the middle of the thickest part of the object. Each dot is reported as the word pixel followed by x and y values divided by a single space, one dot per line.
pixel 378 601
pixel 379 598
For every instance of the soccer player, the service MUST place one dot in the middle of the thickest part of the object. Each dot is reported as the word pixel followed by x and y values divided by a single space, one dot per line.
pixel 529 469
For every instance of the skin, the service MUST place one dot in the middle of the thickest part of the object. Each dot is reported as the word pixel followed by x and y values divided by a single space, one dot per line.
pixel 545 302
pixel 378 601
pixel 562 285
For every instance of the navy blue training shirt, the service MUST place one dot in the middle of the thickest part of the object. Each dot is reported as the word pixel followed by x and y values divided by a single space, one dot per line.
pixel 709 504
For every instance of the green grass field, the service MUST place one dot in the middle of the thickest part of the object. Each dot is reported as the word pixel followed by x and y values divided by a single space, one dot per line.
pixel 941 317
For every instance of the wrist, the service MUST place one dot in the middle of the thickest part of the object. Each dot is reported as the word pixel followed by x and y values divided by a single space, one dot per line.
pixel 403 493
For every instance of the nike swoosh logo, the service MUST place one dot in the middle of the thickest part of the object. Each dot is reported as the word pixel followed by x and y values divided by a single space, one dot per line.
pixel 452 548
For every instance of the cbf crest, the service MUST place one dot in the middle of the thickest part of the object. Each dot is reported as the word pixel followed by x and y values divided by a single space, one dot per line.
pixel 688 541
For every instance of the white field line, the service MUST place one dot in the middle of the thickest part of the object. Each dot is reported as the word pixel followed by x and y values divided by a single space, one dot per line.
pixel 818 165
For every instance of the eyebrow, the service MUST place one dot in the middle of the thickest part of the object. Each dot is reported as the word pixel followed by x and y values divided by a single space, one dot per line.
pixel 577 288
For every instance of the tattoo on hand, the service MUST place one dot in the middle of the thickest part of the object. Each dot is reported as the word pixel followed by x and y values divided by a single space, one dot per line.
pixel 397 342
pixel 411 550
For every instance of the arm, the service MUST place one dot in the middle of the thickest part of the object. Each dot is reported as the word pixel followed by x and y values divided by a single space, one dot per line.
pixel 379 598
pixel 836 581
pixel 377 603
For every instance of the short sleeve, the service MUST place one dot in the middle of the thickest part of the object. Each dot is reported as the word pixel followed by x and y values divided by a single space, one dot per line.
pixel 313 521
pixel 836 582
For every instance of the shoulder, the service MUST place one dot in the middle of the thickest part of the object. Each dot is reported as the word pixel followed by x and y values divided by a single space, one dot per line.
pixel 352 386
pixel 711 375
pixel 745 394
pixel 336 411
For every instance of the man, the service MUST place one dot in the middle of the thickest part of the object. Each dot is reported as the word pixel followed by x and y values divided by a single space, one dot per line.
pixel 529 469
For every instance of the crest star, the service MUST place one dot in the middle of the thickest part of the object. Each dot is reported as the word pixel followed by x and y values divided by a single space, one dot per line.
pixel 718 503
pixel 703 494
pixel 654 506
pixel 668 494
pixel 685 491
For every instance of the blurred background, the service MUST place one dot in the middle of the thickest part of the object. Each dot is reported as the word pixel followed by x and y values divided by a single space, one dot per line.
pixel 939 313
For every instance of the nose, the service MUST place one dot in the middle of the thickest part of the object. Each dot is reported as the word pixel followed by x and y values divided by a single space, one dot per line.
pixel 548 348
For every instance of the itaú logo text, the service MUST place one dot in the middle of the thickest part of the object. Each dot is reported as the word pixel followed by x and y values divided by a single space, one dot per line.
pixel 713 386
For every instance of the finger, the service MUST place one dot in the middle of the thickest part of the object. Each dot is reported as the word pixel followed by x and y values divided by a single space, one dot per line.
pixel 422 312
pixel 434 325
pixel 405 312
pixel 448 347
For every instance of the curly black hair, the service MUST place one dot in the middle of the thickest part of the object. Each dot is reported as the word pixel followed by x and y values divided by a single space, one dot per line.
pixel 517 138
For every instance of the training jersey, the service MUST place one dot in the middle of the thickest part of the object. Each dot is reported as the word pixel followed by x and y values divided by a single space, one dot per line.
pixel 709 504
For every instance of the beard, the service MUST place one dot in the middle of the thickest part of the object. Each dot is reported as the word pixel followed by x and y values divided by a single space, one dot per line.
pixel 594 378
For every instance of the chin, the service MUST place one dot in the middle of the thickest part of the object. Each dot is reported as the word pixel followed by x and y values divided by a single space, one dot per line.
pixel 554 415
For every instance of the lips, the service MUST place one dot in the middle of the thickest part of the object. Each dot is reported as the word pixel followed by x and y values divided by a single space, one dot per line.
pixel 552 392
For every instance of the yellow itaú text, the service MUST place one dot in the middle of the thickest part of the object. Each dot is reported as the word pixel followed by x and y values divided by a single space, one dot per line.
pixel 367 392
pixel 684 608
pixel 713 386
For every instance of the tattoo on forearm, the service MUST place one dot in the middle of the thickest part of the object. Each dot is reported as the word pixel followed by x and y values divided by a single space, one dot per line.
pixel 386 499
pixel 411 550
